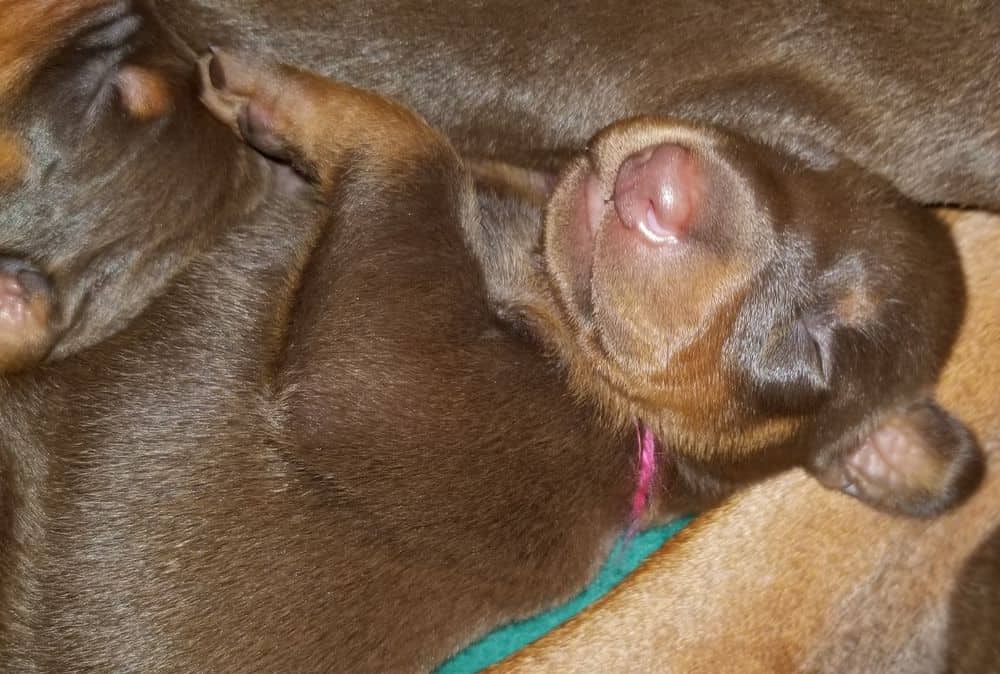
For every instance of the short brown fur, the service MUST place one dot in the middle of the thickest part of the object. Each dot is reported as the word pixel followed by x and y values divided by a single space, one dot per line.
pixel 280 445
pixel 144 93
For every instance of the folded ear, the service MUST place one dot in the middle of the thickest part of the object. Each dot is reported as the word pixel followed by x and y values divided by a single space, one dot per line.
pixel 794 368
pixel 919 462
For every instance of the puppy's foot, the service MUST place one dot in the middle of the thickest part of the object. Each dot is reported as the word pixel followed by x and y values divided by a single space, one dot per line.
pixel 246 96
pixel 26 304
pixel 309 121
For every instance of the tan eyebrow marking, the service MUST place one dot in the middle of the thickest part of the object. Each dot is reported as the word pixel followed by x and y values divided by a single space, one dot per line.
pixel 144 92
pixel 13 161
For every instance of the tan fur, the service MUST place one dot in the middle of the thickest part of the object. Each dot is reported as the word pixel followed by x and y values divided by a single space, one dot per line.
pixel 25 341
pixel 394 142
pixel 790 577
pixel 144 93
pixel 13 162
pixel 290 93
pixel 928 471
pixel 697 390
pixel 856 307
pixel 108 571
pixel 679 389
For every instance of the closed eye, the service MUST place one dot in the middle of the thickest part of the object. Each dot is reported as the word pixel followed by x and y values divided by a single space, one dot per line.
pixel 807 347
pixel 86 69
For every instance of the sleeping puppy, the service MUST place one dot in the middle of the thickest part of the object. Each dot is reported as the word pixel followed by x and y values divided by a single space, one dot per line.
pixel 718 293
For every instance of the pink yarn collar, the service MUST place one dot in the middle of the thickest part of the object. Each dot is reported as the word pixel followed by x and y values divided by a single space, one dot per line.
pixel 645 474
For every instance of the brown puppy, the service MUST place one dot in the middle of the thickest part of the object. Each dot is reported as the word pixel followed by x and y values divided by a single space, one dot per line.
pixel 804 582
pixel 912 95
pixel 714 289
pixel 720 292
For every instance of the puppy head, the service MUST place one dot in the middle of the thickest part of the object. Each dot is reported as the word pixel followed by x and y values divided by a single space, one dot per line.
pixel 99 130
pixel 758 305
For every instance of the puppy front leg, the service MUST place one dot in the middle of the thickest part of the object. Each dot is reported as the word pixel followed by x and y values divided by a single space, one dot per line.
pixel 389 275
pixel 311 122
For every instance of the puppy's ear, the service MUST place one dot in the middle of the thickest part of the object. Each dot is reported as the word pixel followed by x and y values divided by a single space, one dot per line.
pixel 792 367
pixel 920 462
pixel 533 186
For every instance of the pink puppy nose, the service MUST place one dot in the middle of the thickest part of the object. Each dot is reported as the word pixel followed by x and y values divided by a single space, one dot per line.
pixel 656 191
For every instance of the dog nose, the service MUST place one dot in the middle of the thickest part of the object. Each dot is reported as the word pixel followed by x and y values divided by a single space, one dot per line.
pixel 656 193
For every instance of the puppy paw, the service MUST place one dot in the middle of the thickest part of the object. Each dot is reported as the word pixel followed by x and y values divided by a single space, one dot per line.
pixel 312 123
pixel 26 304
pixel 246 97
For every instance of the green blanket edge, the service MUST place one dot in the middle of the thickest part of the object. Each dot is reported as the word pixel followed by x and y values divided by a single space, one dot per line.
pixel 508 639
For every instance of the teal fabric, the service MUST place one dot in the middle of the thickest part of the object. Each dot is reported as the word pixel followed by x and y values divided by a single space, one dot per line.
pixel 500 643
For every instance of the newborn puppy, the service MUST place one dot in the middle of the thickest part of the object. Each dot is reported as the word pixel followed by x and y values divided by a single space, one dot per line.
pixel 743 299
pixel 754 307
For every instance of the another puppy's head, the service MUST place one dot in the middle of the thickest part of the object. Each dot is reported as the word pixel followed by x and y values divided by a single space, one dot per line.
pixel 759 307
pixel 111 173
